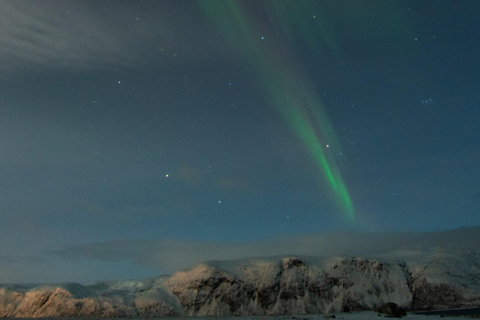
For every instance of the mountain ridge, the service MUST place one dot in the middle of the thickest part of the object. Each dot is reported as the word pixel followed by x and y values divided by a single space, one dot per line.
pixel 433 278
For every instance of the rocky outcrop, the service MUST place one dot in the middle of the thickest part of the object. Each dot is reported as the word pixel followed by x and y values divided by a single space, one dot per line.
pixel 392 310
pixel 266 286
pixel 65 301
pixel 290 287
pixel 446 280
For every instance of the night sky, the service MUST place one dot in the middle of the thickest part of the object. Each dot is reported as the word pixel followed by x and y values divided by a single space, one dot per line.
pixel 136 135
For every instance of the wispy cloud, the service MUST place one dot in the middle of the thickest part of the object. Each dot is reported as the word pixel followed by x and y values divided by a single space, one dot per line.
pixel 78 36
pixel 169 256
pixel 57 35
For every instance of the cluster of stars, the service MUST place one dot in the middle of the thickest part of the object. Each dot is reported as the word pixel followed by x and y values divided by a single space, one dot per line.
pixel 427 101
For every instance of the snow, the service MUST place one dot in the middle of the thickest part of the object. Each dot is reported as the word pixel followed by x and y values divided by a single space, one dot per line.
pixel 363 315
pixel 269 286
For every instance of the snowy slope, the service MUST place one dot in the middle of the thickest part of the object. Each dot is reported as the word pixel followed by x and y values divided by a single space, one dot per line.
pixel 432 278
pixel 446 279
pixel 105 299
pixel 290 286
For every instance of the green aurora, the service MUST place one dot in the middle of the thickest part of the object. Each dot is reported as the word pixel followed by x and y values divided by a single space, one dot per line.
pixel 283 82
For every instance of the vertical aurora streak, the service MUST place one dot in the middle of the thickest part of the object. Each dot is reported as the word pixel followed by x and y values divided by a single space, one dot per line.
pixel 288 89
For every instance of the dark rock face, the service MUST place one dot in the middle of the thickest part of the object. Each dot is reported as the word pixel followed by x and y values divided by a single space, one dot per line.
pixel 392 310
pixel 288 286
pixel 438 296
pixel 447 280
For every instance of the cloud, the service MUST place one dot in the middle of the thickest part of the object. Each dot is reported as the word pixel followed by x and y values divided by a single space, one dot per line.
pixel 83 36
pixel 56 35
pixel 169 256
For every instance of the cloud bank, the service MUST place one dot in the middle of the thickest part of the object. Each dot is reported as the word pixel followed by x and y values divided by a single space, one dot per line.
pixel 169 256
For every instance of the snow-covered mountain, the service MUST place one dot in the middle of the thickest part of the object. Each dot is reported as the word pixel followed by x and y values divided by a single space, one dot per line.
pixel 422 279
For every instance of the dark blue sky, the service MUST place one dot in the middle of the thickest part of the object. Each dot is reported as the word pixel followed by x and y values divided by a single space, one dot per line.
pixel 99 102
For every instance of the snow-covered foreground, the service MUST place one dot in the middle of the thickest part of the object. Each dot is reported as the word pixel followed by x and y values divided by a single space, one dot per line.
pixel 363 315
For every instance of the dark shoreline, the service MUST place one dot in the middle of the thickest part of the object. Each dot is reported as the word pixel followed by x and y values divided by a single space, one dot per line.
pixel 451 312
